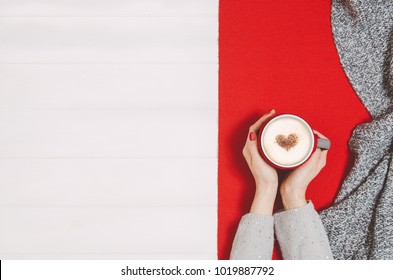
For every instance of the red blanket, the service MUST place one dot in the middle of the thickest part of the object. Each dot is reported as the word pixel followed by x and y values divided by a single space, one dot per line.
pixel 279 54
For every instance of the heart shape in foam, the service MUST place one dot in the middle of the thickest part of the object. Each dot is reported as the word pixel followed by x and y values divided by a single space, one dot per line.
pixel 287 142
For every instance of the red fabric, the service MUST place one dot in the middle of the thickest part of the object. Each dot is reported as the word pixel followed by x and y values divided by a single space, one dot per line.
pixel 279 54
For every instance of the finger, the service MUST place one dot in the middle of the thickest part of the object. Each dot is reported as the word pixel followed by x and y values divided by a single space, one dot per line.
pixel 324 152
pixel 322 159
pixel 252 136
pixel 320 156
pixel 246 153
pixel 321 136
pixel 313 160
pixel 316 155
pixel 251 144
pixel 258 123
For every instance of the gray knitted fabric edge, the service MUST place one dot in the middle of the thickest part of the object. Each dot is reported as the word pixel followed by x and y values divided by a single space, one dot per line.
pixel 360 223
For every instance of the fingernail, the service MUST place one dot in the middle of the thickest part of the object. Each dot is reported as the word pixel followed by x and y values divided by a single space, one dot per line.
pixel 271 111
pixel 252 136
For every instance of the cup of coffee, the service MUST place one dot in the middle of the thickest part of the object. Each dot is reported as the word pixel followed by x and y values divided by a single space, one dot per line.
pixel 287 141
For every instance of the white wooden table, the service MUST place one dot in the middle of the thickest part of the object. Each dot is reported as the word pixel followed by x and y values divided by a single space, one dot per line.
pixel 108 129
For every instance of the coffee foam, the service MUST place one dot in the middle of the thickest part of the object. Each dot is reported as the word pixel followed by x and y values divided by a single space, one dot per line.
pixel 287 141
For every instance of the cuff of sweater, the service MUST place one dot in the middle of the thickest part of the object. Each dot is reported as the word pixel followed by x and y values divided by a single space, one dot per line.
pixel 252 218
pixel 301 234
pixel 305 212
pixel 254 238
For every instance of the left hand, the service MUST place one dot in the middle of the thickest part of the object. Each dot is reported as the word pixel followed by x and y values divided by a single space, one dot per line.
pixel 265 175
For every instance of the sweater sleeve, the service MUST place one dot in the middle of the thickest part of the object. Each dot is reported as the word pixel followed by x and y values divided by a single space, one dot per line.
pixel 301 234
pixel 254 238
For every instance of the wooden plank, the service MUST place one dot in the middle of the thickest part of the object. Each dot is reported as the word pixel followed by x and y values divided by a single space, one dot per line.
pixel 108 7
pixel 107 133
pixel 108 85
pixel 137 182
pixel 108 230
pixel 109 40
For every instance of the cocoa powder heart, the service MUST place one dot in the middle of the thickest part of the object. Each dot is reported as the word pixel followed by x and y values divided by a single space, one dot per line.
pixel 287 142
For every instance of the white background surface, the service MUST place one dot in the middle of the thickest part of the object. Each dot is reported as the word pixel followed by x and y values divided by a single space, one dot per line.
pixel 108 129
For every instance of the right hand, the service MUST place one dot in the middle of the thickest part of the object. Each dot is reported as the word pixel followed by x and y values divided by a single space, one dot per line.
pixel 294 186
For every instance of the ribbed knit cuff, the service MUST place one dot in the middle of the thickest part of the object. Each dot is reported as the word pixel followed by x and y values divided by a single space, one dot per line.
pixel 305 212
pixel 301 234
pixel 252 218
pixel 254 238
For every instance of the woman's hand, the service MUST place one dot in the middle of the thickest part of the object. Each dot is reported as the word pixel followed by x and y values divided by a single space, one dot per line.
pixel 265 176
pixel 294 186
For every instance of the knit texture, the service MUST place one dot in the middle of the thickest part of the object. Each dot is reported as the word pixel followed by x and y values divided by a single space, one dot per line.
pixel 301 234
pixel 360 223
pixel 254 238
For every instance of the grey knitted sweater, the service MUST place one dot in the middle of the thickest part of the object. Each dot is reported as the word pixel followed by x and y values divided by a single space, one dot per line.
pixel 360 223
